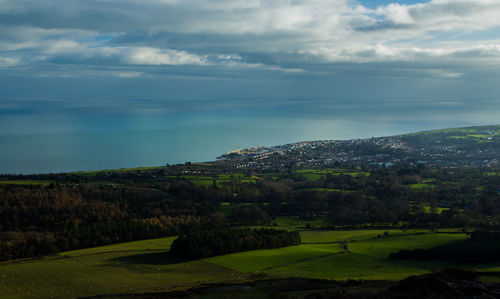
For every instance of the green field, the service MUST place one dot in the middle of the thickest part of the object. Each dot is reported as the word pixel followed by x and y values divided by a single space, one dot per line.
pixel 439 210
pixel 258 260
pixel 298 223
pixel 421 186
pixel 220 180
pixel 320 174
pixel 134 169
pixel 25 182
pixel 144 245
pixel 369 260
pixel 122 268
pixel 493 173
pixel 146 266
pixel 329 190
pixel 326 236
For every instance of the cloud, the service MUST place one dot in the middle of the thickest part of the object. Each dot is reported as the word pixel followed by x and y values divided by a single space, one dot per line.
pixel 397 14
pixel 289 36
pixel 445 74
pixel 127 74
pixel 381 53
pixel 8 62
pixel 153 56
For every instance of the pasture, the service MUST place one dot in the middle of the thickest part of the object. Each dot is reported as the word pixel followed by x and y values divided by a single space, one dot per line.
pixel 320 174
pixel 141 266
pixel 26 182
pixel 258 260
pixel 329 236
pixel 220 180
pixel 299 223
pixel 121 268
pixel 368 259
pixel 132 169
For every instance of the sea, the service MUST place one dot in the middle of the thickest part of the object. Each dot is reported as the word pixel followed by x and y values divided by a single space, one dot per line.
pixel 68 140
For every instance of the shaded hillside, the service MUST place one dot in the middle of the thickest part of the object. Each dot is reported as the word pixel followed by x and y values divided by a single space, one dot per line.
pixel 449 283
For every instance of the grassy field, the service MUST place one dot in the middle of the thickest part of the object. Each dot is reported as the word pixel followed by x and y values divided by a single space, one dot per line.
pixel 258 260
pixel 439 210
pixel 121 268
pixel 143 245
pixel 138 169
pixel 368 259
pixel 326 236
pixel 297 223
pixel 421 186
pixel 329 190
pixel 25 182
pixel 320 174
pixel 493 173
pixel 146 265
pixel 220 180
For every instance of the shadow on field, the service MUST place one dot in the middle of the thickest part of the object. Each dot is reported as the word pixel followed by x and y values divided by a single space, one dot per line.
pixel 157 258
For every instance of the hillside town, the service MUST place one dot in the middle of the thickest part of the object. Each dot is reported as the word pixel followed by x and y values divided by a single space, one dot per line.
pixel 436 149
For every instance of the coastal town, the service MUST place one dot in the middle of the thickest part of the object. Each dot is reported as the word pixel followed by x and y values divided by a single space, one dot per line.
pixel 439 149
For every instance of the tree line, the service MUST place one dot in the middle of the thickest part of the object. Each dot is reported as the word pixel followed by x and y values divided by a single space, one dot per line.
pixel 71 214
pixel 207 243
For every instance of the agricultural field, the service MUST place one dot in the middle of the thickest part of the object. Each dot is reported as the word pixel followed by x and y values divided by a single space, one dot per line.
pixel 421 186
pixel 26 182
pixel 329 190
pixel 439 210
pixel 260 260
pixel 121 268
pixel 330 236
pixel 141 266
pixel 298 223
pixel 368 259
pixel 220 180
pixel 320 174
pixel 134 169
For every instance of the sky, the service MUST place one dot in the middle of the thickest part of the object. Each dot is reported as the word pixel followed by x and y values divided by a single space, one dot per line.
pixel 94 54
pixel 109 65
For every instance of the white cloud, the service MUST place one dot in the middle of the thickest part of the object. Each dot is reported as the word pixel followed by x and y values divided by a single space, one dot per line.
pixel 127 74
pixel 9 62
pixel 271 32
pixel 381 53
pixel 445 74
pixel 153 56
pixel 398 14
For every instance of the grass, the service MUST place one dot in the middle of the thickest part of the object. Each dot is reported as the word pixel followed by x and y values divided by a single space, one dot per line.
pixel 128 267
pixel 368 260
pixel 143 245
pixel 298 223
pixel 320 174
pixel 258 260
pixel 468 130
pixel 439 210
pixel 207 181
pixel 25 182
pixel 142 266
pixel 105 273
pixel 329 190
pixel 421 186
pixel 324 236
pixel 140 169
